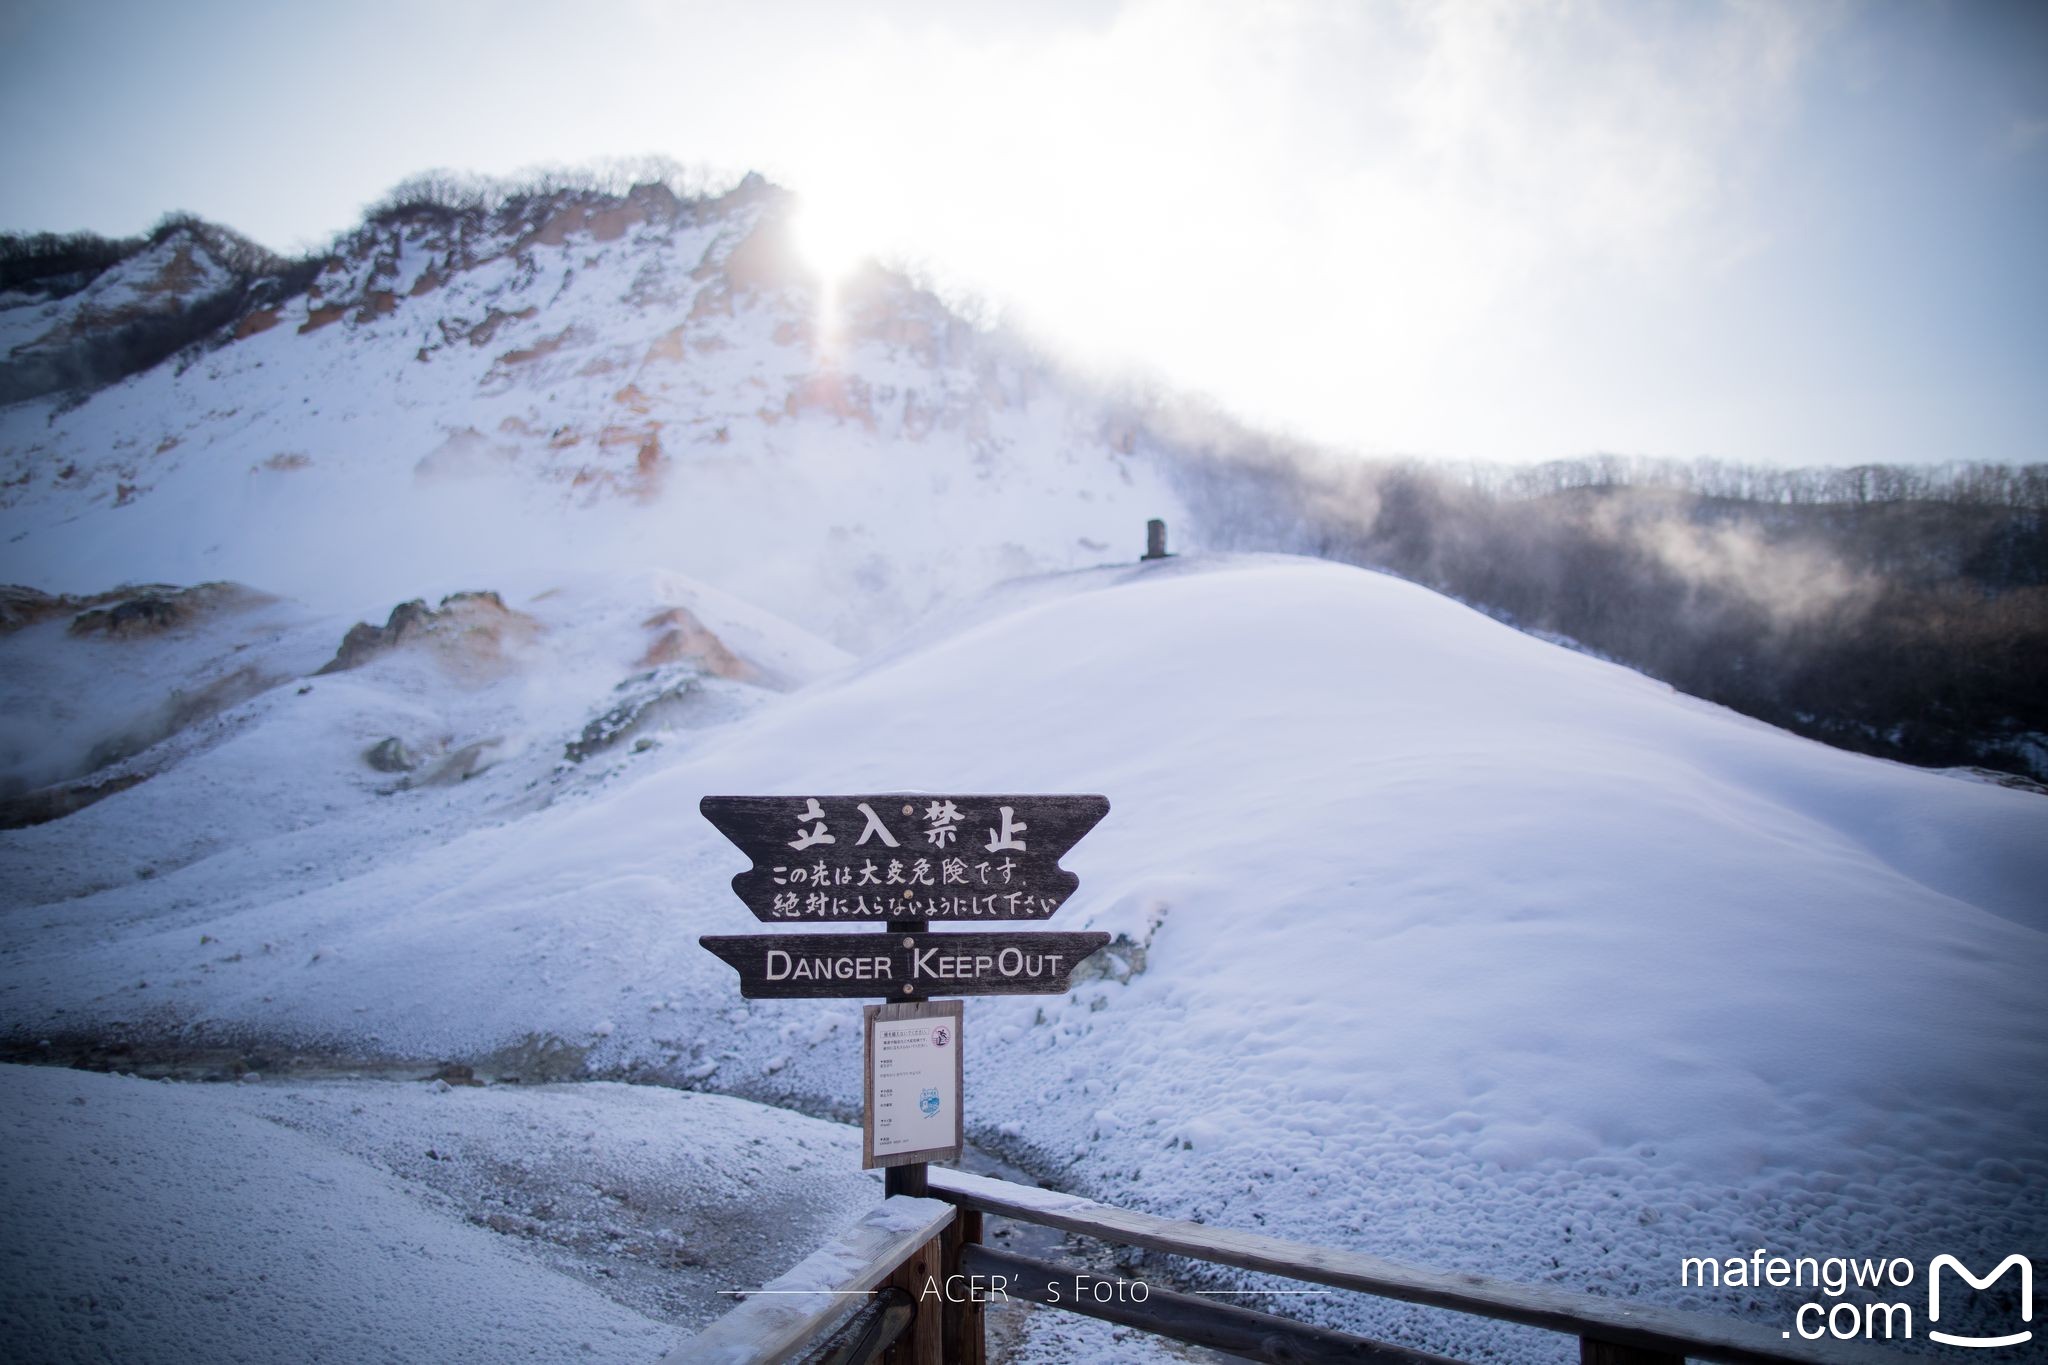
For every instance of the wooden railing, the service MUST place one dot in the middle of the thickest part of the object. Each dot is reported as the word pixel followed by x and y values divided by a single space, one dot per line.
pixel 899 1239
pixel 911 1242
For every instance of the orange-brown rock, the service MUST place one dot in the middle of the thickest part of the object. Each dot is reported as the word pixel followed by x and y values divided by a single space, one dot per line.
pixel 260 321
pixel 468 635
pixel 481 334
pixel 682 638
pixel 843 396
pixel 546 346
pixel 765 260
pixel 376 304
pixel 157 607
pixel 667 346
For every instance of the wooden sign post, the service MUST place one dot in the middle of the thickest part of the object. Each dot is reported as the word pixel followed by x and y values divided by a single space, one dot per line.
pixel 902 861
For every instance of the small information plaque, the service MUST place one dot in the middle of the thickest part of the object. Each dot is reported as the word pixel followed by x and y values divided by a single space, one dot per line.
pixel 912 1083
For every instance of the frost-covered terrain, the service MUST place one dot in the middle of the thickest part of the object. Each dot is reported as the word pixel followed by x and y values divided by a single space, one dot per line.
pixel 479 566
pixel 352 1221
pixel 1433 939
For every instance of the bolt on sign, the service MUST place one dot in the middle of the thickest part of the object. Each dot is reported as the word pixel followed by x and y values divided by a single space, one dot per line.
pixel 849 859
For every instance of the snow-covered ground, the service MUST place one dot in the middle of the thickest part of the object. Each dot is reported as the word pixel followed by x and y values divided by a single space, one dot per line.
pixel 368 1221
pixel 1434 939
pixel 349 1220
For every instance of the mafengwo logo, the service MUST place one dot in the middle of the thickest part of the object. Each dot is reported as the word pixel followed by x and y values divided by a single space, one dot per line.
pixel 1940 1263
pixel 1846 1314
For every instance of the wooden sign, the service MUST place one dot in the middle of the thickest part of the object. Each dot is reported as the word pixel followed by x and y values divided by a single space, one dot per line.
pixel 847 859
pixel 911 1093
pixel 902 966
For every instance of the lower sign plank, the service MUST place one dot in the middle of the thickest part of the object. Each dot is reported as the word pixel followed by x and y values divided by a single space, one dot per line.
pixel 902 966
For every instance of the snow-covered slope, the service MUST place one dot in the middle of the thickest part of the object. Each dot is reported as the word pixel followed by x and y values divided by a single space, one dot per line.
pixel 1434 939
pixel 591 382
pixel 269 739
pixel 371 1221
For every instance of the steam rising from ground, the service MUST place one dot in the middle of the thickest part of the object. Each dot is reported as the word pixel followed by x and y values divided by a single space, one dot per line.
pixel 1794 583
pixel 1890 609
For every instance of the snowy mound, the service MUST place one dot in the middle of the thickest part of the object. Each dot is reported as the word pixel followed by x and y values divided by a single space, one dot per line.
pixel 368 1220
pixel 1434 939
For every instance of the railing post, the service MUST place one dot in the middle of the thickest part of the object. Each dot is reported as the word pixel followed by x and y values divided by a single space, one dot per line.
pixel 1593 1351
pixel 924 1343
pixel 966 1339
pixel 910 1178
pixel 873 1330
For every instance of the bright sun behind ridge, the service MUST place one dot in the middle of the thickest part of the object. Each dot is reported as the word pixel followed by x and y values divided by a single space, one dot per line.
pixel 830 240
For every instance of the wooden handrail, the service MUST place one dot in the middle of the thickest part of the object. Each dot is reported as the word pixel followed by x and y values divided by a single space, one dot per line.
pixel 1644 1327
pixel 1239 1332
pixel 787 1315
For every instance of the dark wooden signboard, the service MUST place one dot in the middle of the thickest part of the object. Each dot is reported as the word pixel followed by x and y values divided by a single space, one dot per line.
pixel 849 859
pixel 903 966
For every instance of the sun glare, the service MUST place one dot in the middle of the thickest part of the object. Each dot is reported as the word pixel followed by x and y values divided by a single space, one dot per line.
pixel 829 241
pixel 832 243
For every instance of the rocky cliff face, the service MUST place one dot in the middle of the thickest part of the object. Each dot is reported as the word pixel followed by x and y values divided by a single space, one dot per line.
pixel 572 379
pixel 78 325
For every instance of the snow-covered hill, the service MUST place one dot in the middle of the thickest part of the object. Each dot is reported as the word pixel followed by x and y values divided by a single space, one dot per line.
pixel 580 381
pixel 1433 939
pixel 477 565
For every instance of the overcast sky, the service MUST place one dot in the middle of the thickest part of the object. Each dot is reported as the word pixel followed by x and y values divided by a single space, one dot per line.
pixel 1792 233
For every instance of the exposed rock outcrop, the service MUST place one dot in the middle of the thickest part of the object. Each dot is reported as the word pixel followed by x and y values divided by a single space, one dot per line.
pixel 391 755
pixel 469 633
pixel 82 328
pixel 155 608
pixel 647 701
pixel 683 639
pixel 54 803
pixel 132 609
pixel 365 642
pixel 22 606
pixel 465 763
